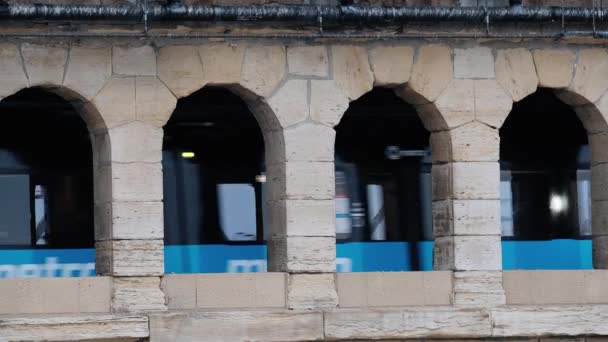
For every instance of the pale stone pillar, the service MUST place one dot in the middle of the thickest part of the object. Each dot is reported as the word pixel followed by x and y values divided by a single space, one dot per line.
pixel 466 214
pixel 129 189
pixel 129 232
pixel 598 140
pixel 586 93
pixel 300 175
pixel 466 177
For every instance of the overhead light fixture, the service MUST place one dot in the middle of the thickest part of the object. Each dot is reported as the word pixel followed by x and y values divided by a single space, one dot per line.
pixel 188 155
pixel 261 178
pixel 558 203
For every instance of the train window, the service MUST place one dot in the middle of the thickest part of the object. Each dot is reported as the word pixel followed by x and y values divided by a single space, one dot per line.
pixel 545 186
pixel 213 166
pixel 383 195
pixel 46 184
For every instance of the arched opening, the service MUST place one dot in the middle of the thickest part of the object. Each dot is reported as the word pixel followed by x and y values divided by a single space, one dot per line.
pixel 545 186
pixel 383 186
pixel 213 177
pixel 46 188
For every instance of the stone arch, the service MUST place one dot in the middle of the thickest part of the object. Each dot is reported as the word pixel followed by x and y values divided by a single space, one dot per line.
pixel 257 75
pixel 578 79
pixel 252 72
pixel 100 151
pixel 418 76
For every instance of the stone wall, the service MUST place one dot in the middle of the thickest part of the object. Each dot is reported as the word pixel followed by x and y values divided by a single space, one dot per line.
pixel 462 92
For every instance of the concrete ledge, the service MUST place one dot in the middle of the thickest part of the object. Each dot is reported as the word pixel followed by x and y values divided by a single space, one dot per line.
pixel 572 320
pixel 556 287
pixel 237 326
pixel 438 322
pixel 381 289
pixel 72 328
pixel 414 322
pixel 55 295
pixel 225 290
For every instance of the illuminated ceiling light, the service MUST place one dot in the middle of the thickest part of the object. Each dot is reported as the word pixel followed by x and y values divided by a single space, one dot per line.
pixel 261 178
pixel 558 203
pixel 187 155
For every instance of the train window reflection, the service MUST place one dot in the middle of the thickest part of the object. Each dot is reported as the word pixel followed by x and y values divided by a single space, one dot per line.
pixel 545 186
pixel 46 185
pixel 213 166
pixel 383 186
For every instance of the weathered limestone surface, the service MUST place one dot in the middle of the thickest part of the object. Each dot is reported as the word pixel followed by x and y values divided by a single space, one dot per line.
pixel 599 179
pixel 88 70
pixel 328 102
pixel 416 322
pixel 600 252
pixel 135 142
pixel 308 61
pixel 264 67
pixel 481 288
pixel 130 257
pixel 473 141
pixel 11 69
pixel 55 295
pixel 467 253
pixel 134 61
pixel 556 287
pixel 475 62
pixel 44 64
pixel 179 67
pixel 492 103
pixel 386 289
pixel 599 217
pixel 73 328
pixel 116 101
pixel 237 326
pixel 432 119
pixel 462 180
pixel 311 291
pixel 304 253
pixel 133 294
pixel 302 180
pixel 180 290
pixel 554 67
pixel 352 71
pixel 466 217
pixel 597 145
pixel 308 141
pixel 154 103
pixel 478 180
pixel 290 102
pixel 129 220
pixel 591 76
pixel 129 185
pixel 550 320
pixel 222 64
pixel 457 103
pixel 305 217
pixel 246 290
pixel 431 74
pixel 516 73
pixel 392 65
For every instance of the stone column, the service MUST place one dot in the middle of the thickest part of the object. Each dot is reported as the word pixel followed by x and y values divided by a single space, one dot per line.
pixel 300 172
pixel 598 139
pixel 583 87
pixel 129 237
pixel 466 179
pixel 129 188
pixel 466 213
